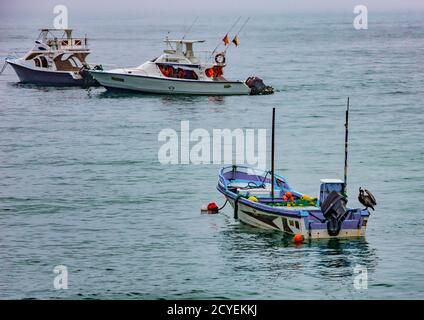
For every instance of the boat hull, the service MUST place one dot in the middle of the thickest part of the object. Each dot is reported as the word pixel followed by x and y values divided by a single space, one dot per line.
pixel 46 77
pixel 292 224
pixel 146 84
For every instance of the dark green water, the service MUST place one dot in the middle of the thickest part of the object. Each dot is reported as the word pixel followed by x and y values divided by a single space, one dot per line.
pixel 81 185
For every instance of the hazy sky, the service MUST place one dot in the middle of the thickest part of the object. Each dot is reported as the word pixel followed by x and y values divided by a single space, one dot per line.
pixel 140 7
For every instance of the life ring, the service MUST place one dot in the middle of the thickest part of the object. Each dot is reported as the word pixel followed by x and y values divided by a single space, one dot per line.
pixel 220 58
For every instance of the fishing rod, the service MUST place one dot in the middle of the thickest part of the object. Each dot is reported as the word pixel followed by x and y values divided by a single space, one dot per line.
pixel 191 26
pixel 346 146
pixel 242 27
pixel 185 33
pixel 231 29
pixel 167 40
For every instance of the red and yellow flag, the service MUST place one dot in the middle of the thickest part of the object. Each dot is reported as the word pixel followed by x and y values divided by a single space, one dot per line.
pixel 235 41
pixel 225 39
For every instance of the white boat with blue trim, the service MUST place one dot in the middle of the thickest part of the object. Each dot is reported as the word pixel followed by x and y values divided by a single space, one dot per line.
pixel 179 71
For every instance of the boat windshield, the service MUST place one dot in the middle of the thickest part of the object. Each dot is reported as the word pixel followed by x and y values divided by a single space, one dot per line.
pixel 170 71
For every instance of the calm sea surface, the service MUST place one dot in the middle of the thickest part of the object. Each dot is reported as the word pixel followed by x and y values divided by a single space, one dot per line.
pixel 81 185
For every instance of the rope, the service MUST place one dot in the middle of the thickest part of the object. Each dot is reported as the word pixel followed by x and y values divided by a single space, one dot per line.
pixel 255 186
pixel 219 209
pixel 4 67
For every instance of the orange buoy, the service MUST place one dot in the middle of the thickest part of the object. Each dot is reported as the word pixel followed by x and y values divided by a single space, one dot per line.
pixel 298 238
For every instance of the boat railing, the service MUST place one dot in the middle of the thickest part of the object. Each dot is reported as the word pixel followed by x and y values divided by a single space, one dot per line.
pixel 68 43
pixel 74 43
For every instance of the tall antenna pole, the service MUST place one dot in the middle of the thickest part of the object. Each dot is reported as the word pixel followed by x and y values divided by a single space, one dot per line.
pixel 346 145
pixel 272 153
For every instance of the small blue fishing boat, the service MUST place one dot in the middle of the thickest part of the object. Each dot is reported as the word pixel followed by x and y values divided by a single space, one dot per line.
pixel 248 190
pixel 266 200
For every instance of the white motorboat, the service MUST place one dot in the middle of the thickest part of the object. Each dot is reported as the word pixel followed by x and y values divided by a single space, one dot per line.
pixel 57 59
pixel 177 71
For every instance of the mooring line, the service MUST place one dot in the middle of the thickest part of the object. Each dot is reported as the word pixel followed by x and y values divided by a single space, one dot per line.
pixel 4 67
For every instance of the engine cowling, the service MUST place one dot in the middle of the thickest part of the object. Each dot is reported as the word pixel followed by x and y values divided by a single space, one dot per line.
pixel 335 212
pixel 257 86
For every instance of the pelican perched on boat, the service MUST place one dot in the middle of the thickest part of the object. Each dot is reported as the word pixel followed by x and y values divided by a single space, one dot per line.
pixel 367 198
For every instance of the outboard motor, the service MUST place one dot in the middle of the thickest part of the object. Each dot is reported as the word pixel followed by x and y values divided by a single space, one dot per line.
pixel 257 86
pixel 335 212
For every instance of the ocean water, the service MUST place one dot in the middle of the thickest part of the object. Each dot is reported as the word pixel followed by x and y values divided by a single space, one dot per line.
pixel 81 184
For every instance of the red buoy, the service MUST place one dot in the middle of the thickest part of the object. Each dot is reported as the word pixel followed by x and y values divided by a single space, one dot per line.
pixel 212 208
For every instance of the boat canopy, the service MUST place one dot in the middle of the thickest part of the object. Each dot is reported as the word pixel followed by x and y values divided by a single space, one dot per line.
pixel 179 44
pixel 183 41
pixel 56 39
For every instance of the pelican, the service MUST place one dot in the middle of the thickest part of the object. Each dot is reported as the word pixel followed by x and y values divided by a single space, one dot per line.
pixel 367 199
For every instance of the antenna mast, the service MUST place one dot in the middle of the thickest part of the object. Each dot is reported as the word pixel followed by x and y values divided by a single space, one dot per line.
pixel 346 145
pixel 272 153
